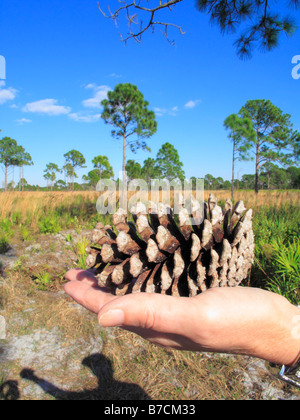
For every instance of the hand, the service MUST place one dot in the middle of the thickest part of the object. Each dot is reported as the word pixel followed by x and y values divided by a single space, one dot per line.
pixel 237 320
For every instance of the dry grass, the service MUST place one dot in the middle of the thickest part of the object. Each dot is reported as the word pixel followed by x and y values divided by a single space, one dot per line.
pixel 173 375
pixel 40 309
pixel 31 205
pixel 264 198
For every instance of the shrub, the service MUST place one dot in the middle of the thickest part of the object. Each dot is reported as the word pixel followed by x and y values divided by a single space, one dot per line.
pixel 286 265
pixel 277 253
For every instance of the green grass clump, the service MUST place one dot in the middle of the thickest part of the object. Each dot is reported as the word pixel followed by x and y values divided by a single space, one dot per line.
pixel 6 233
pixel 80 249
pixel 43 280
pixel 49 225
pixel 285 262
pixel 277 250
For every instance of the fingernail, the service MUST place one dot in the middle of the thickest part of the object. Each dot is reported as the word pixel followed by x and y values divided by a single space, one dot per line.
pixel 112 318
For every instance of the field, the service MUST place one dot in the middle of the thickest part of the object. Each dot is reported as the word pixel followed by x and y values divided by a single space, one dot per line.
pixel 31 206
pixel 55 350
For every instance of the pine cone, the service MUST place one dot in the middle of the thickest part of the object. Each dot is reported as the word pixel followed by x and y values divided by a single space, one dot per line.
pixel 156 255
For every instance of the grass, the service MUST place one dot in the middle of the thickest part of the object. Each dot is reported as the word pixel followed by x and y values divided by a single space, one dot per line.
pixel 277 250
pixel 80 249
pixel 32 207
pixel 43 280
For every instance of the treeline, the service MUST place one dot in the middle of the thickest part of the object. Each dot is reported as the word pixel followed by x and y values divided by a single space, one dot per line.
pixel 259 132
pixel 166 165
pixel 13 155
pixel 273 179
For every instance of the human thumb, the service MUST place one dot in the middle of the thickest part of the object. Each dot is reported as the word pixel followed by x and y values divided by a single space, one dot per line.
pixel 112 318
pixel 150 311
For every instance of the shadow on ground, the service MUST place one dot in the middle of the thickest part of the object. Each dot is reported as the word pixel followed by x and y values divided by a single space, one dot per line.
pixel 108 388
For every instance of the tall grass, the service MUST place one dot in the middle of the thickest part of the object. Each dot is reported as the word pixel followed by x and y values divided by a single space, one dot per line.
pixel 48 212
pixel 30 207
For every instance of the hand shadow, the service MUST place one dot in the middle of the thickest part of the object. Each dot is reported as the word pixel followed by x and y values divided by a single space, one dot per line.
pixel 108 388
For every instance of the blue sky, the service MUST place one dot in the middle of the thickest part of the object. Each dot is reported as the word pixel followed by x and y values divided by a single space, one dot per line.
pixel 62 57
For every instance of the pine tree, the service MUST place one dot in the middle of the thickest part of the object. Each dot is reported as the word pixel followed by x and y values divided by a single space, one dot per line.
pixel 127 111
pixel 271 138
pixel 76 160
pixel 240 131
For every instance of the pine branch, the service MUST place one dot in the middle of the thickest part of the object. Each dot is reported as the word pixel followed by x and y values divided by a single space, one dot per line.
pixel 133 18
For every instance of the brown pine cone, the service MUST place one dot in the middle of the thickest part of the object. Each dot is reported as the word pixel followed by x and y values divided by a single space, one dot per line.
pixel 156 254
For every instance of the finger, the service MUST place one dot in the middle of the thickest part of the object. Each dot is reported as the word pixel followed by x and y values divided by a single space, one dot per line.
pixel 88 296
pixel 82 275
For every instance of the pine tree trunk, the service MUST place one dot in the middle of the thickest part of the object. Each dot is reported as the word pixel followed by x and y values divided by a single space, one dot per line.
pixel 124 189
pixel 232 176
pixel 256 166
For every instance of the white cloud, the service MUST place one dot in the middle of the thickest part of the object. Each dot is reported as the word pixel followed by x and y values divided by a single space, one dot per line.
pixel 76 116
pixel 7 94
pixel 192 104
pixel 91 86
pixel 100 93
pixel 23 121
pixel 160 112
pixel 115 75
pixel 47 106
